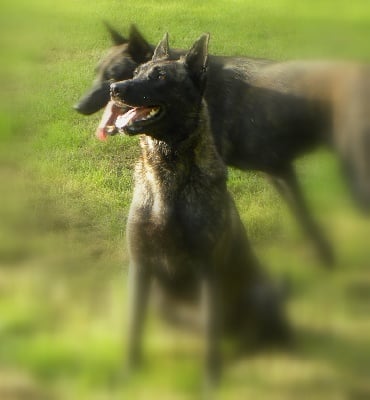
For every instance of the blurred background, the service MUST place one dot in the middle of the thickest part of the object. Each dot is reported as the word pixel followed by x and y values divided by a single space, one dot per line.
pixel 64 201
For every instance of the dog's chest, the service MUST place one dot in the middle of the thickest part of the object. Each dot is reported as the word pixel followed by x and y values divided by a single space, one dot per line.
pixel 176 218
pixel 180 209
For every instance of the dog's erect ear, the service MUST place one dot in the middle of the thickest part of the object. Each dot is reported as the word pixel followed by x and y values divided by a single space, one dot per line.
pixel 196 60
pixel 139 49
pixel 117 38
pixel 161 52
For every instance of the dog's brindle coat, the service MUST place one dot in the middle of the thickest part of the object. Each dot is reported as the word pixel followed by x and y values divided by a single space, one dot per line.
pixel 264 114
pixel 183 228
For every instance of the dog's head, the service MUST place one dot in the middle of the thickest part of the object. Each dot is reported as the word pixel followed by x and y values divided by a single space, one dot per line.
pixel 163 99
pixel 118 64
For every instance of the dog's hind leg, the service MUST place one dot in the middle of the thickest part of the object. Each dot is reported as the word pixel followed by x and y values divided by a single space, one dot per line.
pixel 138 290
pixel 287 184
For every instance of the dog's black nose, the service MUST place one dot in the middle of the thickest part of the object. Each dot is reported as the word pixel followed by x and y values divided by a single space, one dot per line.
pixel 114 90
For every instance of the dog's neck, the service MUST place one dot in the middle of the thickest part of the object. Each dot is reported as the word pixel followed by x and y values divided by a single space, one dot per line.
pixel 197 147
pixel 198 152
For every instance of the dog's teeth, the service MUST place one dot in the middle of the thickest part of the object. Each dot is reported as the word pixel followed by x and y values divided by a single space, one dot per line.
pixel 153 112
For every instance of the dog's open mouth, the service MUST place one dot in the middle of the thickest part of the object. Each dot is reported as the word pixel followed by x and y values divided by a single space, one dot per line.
pixel 121 118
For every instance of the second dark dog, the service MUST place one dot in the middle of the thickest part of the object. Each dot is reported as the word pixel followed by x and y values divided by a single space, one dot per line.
pixel 264 114
pixel 183 230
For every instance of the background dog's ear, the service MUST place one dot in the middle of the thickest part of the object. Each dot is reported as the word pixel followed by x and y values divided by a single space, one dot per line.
pixel 196 60
pixel 139 49
pixel 161 52
pixel 117 38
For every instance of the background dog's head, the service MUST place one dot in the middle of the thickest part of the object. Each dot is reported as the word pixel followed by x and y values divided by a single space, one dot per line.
pixel 163 99
pixel 118 64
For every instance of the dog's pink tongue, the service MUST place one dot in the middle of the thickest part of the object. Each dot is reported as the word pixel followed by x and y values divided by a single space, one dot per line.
pixel 107 122
pixel 124 119
pixel 101 134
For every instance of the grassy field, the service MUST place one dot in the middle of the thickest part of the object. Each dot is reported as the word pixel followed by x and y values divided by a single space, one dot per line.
pixel 65 197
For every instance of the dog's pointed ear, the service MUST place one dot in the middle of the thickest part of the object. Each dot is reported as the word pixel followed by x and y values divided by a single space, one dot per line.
pixel 196 60
pixel 161 52
pixel 117 38
pixel 139 49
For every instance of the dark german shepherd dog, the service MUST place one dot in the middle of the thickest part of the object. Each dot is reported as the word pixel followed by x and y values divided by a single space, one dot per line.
pixel 264 114
pixel 184 232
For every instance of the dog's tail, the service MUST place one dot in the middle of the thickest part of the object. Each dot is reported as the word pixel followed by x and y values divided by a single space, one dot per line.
pixel 356 168
pixel 352 135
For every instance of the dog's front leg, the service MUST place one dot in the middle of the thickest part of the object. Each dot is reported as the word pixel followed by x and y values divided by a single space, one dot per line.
pixel 211 317
pixel 138 293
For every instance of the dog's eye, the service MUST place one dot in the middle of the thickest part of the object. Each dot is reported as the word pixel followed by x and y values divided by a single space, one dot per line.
pixel 157 74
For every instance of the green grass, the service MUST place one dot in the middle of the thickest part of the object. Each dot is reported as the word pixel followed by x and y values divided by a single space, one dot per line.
pixel 65 198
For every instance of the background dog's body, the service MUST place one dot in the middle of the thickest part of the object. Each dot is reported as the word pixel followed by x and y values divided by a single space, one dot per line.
pixel 183 227
pixel 264 114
